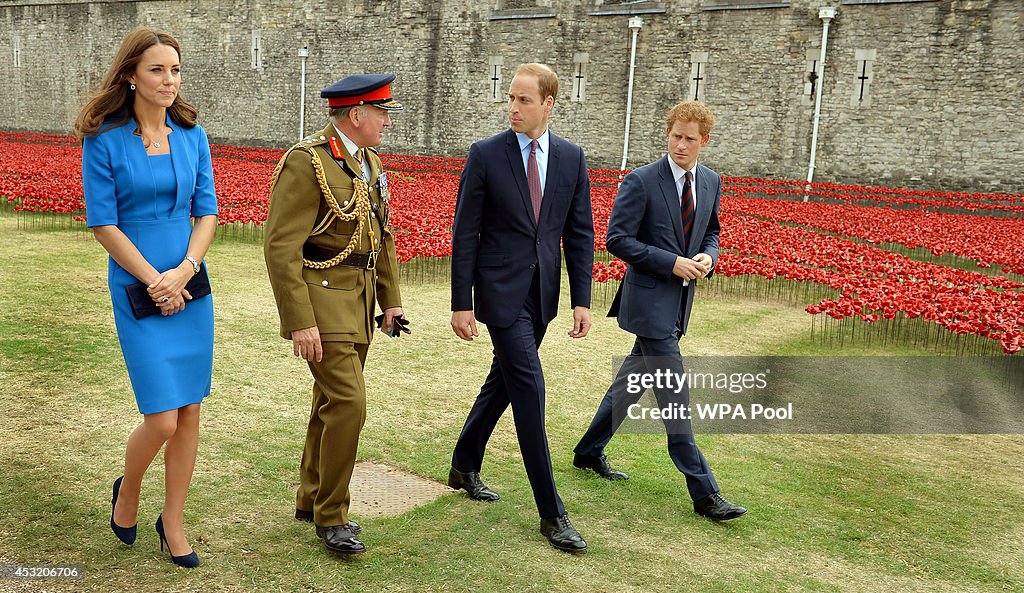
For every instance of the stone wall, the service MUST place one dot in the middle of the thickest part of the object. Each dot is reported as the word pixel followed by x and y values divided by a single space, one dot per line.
pixel 941 102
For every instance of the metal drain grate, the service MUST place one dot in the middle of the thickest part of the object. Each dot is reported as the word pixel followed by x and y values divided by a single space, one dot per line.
pixel 379 490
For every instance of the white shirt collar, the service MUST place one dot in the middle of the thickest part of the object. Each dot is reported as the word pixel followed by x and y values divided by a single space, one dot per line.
pixel 542 142
pixel 677 171
pixel 350 146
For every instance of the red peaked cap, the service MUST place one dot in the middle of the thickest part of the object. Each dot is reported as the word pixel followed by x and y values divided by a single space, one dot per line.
pixel 362 89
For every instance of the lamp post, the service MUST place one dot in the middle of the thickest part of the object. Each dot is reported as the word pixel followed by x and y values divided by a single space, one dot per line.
pixel 826 14
pixel 635 23
pixel 303 54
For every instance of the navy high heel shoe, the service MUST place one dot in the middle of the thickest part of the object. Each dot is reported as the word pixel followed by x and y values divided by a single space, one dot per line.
pixel 190 560
pixel 125 534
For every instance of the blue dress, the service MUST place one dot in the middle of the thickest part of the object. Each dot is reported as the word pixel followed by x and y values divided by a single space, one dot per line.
pixel 151 199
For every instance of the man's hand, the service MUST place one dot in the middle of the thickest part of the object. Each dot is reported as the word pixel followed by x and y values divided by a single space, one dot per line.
pixel 389 316
pixel 306 344
pixel 690 269
pixel 580 322
pixel 464 325
pixel 706 261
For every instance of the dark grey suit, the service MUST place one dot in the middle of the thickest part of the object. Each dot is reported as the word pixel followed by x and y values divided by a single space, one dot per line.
pixel 645 230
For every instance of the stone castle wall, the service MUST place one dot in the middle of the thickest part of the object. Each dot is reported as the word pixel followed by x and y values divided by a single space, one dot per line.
pixel 924 93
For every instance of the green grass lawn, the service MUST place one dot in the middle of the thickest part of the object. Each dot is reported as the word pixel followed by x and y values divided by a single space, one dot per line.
pixel 855 513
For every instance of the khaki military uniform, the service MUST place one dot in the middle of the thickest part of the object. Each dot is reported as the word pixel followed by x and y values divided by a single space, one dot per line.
pixel 317 200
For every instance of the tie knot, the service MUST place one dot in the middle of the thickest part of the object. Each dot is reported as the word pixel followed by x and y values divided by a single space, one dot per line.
pixel 359 156
pixel 533 145
pixel 688 175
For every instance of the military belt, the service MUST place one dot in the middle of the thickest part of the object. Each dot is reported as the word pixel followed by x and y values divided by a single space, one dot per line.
pixel 362 260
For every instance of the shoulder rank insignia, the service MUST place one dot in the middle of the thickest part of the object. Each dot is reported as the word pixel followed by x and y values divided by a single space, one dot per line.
pixel 336 148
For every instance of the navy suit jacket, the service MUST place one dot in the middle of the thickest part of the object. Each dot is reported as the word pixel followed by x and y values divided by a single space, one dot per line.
pixel 645 230
pixel 496 243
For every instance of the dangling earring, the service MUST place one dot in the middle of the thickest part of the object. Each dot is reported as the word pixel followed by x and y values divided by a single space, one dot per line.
pixel 133 86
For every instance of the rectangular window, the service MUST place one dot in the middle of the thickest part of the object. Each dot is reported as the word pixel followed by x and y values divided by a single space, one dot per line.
pixel 742 4
pixel 505 10
pixel 881 1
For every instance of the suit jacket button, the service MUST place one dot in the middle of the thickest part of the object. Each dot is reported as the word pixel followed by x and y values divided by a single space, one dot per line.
pixel 324 283
pixel 532 266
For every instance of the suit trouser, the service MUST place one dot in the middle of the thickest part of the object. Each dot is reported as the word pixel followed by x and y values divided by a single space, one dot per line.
pixel 332 437
pixel 515 378
pixel 647 356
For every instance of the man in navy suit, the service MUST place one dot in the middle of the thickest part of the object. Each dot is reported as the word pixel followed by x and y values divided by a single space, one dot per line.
pixel 521 194
pixel 664 225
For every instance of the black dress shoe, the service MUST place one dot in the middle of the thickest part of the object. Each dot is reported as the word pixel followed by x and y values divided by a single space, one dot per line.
pixel 337 538
pixel 470 482
pixel 562 534
pixel 716 508
pixel 600 466
pixel 302 515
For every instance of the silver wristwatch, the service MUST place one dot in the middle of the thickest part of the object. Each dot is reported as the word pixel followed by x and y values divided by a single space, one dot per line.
pixel 195 264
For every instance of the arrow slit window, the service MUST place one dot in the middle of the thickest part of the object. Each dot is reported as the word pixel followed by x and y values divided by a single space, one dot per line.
pixel 579 77
pixel 698 74
pixel 862 83
pixel 256 55
pixel 811 75
pixel 495 90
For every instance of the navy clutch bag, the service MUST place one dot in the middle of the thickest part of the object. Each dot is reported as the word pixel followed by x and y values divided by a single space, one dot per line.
pixel 142 304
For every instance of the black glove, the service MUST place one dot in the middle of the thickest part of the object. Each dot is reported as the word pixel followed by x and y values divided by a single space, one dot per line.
pixel 399 325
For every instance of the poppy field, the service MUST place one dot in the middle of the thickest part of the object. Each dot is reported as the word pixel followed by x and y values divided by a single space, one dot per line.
pixel 866 262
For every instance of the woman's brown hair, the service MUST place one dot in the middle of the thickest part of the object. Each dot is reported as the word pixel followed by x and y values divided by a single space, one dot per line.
pixel 115 98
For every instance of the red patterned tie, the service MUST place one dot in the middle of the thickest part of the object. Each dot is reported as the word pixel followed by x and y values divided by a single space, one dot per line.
pixel 687 208
pixel 533 180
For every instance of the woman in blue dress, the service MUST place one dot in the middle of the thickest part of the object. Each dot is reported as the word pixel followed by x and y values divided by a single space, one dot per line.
pixel 151 204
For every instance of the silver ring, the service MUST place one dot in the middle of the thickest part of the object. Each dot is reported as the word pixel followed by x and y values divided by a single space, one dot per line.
pixel 165 299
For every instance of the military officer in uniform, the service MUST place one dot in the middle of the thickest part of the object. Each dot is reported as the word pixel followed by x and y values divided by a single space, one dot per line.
pixel 331 257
